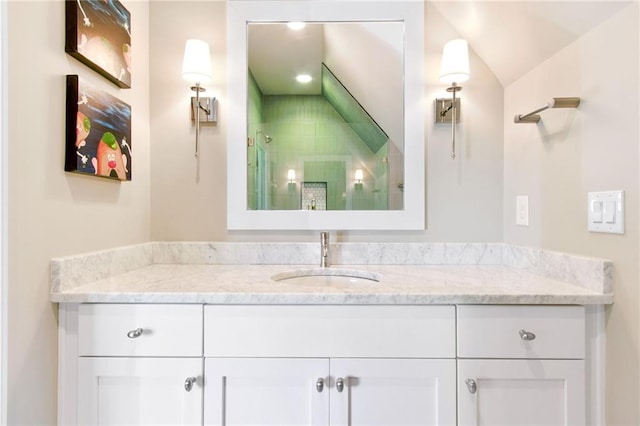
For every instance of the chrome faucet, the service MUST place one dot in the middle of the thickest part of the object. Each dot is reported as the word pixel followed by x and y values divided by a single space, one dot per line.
pixel 324 249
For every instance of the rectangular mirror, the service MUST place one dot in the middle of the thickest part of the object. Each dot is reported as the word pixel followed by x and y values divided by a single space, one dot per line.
pixel 344 148
pixel 313 119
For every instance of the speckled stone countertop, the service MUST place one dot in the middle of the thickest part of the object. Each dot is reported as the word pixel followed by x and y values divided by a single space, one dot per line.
pixel 410 273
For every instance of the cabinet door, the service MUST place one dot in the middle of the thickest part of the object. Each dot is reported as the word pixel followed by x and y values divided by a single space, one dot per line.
pixel 393 392
pixel 266 391
pixel 139 391
pixel 521 392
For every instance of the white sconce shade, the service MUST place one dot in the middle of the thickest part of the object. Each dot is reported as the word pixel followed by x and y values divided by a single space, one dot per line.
pixel 291 175
pixel 359 175
pixel 196 69
pixel 455 62
pixel 196 65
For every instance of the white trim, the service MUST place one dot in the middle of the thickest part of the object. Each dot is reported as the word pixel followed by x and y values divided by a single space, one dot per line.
pixel 67 363
pixel 409 12
pixel 3 210
pixel 595 365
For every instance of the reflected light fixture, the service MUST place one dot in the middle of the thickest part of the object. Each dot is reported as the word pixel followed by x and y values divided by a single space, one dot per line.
pixel 303 78
pixel 291 176
pixel 454 69
pixel 296 25
pixel 196 69
pixel 359 175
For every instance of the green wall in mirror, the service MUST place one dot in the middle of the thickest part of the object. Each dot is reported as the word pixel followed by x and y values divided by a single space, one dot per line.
pixel 320 130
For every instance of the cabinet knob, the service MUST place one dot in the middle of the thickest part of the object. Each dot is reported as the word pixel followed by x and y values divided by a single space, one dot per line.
pixel 526 335
pixel 135 333
pixel 320 384
pixel 471 385
pixel 188 383
pixel 340 384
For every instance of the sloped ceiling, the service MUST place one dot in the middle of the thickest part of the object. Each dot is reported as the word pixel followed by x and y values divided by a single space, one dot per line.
pixel 513 37
pixel 277 54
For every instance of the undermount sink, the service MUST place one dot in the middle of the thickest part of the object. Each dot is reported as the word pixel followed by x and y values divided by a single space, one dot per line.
pixel 327 276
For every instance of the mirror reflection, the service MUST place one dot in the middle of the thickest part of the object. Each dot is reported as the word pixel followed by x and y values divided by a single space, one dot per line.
pixel 325 116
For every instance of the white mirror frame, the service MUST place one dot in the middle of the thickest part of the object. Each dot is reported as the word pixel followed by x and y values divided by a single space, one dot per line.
pixel 242 12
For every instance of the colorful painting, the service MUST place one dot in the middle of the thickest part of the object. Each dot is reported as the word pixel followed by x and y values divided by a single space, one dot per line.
pixel 98 34
pixel 98 132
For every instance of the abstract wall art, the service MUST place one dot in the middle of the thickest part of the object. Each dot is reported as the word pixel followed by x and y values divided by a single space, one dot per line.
pixel 98 34
pixel 98 132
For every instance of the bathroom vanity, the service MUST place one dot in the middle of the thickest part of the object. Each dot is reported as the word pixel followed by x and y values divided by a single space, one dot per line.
pixel 338 365
pixel 215 343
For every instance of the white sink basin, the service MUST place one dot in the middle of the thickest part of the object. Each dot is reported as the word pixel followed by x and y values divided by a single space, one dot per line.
pixel 327 276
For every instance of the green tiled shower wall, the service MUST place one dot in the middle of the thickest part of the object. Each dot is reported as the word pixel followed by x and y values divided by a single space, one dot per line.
pixel 309 136
pixel 351 111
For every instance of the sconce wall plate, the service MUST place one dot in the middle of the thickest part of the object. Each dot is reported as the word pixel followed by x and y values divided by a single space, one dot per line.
pixel 443 105
pixel 210 105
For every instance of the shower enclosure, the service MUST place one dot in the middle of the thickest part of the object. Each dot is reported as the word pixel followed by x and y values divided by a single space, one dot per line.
pixel 324 159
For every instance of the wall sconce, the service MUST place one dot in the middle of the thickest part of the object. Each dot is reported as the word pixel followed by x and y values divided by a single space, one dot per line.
pixel 454 69
pixel 359 175
pixel 196 69
pixel 291 176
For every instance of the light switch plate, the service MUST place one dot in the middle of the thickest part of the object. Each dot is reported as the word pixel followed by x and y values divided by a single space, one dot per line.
pixel 606 212
pixel 522 210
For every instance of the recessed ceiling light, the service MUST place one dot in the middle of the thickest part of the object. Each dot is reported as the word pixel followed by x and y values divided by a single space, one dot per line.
pixel 296 26
pixel 303 78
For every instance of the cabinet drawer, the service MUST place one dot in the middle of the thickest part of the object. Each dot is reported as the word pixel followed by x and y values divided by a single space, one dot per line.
pixel 139 330
pixel 330 331
pixel 495 332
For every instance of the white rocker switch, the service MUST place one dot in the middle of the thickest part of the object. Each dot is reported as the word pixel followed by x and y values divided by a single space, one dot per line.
pixel 610 211
pixel 597 212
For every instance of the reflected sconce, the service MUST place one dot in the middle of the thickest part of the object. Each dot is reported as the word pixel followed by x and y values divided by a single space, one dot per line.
pixel 291 176
pixel 454 70
pixel 359 175
pixel 196 69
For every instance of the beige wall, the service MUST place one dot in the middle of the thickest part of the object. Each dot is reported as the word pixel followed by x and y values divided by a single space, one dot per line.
pixel 175 197
pixel 188 197
pixel 572 152
pixel 53 213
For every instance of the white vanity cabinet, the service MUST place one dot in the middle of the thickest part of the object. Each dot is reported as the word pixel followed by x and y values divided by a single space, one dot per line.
pixel 357 365
pixel 521 365
pixel 139 391
pixel 329 391
pixel 330 365
pixel 131 364
pixel 393 392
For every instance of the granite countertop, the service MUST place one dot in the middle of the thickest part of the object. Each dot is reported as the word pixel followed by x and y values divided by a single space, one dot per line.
pixel 153 274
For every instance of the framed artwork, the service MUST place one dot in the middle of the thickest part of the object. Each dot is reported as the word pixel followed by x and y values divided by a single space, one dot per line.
pixel 98 132
pixel 98 34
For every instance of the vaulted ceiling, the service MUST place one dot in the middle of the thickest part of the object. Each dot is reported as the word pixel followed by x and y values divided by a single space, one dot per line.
pixel 512 37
